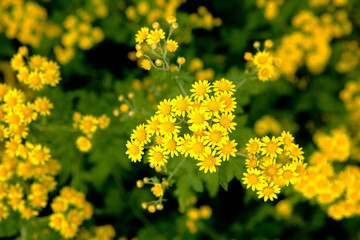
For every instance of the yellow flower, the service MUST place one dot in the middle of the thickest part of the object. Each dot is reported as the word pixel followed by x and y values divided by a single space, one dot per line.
pixel 266 72
pixel 88 124
pixel 103 121
pixel 155 36
pixel 141 35
pixel 214 106
pixel 198 119
pixel 39 155
pixel 140 135
pixel 262 58
pixel 34 80
pixel 134 150
pixel 215 135
pixel 224 86
pixel 157 190
pixel 269 168
pixel 157 156
pixel 152 126
pixel 198 147
pixel 164 108
pixel 56 221
pixel 168 127
pixel 268 191
pixel 146 64
pixel 181 105
pixel 208 162
pixel 83 144
pixel 200 89
pixel 43 106
pixel 184 144
pixel 288 174
pixel 227 149
pixel 253 178
pixel 171 145
pixel 287 140
pixel 171 45
pixel 226 121
pixel 295 153
pixel 271 147
pixel 253 146
pixel 230 103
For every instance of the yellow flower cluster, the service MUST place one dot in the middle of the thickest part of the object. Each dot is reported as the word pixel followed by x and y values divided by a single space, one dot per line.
pixel 35 71
pixel 27 170
pixel 271 7
pixel 105 232
pixel 70 209
pixel 350 57
pixel 23 20
pixel 88 125
pixel 196 214
pixel 327 3
pixel 154 11
pixel 273 163
pixel 310 43
pixel 267 125
pixel 196 66
pixel 336 189
pixel 152 47
pixel 80 32
pixel 266 65
pixel 195 126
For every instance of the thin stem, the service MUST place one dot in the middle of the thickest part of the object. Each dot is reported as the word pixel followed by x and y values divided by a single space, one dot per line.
pixel 180 86
pixel 241 83
pixel 24 231
pixel 176 169
pixel 241 155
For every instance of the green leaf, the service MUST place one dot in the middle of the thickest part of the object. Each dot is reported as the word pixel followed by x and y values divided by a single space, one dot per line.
pixel 10 226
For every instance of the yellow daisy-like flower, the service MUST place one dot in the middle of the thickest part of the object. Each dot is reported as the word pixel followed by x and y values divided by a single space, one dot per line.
pixel 269 168
pixel 252 162
pixel 215 135
pixel 12 98
pixel 36 62
pixel 200 90
pixel 230 103
pixel 43 106
pixel 164 108
pixel 171 145
pixel 140 135
pixel 56 220
pixel 253 178
pixel 288 174
pixel 28 112
pixel 208 162
pixel 88 124
pixel 287 140
pixel 134 150
pixel 214 106
pixel 157 190
pixel 83 144
pixel 227 149
pixel 168 127
pixel 171 45
pixel 271 147
pixel 181 105
pixel 198 147
pixel 262 58
pixel 157 156
pixel 155 36
pixel 141 35
pixel 184 144
pixel 296 153
pixel 226 121
pixel 198 119
pixel 266 72
pixel 223 86
pixel 253 147
pixel 268 191
pixel 34 80
pixel 39 155
pixel 17 62
pixel 152 126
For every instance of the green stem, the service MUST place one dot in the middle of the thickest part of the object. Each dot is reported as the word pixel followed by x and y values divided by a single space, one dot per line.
pixel 176 169
pixel 241 155
pixel 24 230
pixel 180 86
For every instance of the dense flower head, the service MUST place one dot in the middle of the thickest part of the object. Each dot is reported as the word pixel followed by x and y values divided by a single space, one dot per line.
pixel 196 125
pixel 70 209
pixel 35 71
pixel 273 163
pixel 265 63
pixel 336 190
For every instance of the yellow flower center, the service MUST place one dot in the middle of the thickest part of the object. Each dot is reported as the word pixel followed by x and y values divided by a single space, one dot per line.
pixel 253 179
pixel 141 135
pixel 215 136
pixel 209 161
pixel 270 170
pixel 168 126
pixel 198 148
pixel 200 90
pixel 227 148
pixel 165 109
pixel 134 150
pixel 182 105
pixel 225 121
pixel 262 59
pixel 253 163
pixel 287 141
pixel 199 119
pixel 268 191
pixel 158 157
pixel 254 147
pixel 213 106
pixel 287 175
pixel 171 145
pixel 265 72
pixel 271 147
